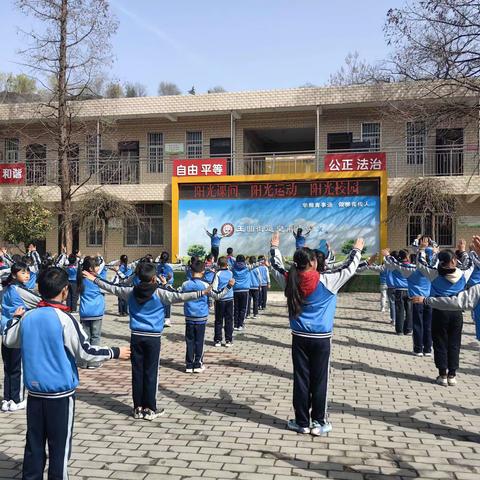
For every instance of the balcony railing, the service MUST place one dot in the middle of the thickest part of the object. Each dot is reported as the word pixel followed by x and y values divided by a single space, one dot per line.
pixel 441 161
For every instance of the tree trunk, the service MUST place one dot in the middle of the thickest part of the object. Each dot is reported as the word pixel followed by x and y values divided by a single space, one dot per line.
pixel 105 239
pixel 62 128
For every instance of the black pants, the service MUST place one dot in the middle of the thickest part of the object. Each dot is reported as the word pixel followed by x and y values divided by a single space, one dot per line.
pixel 223 320
pixel 403 312
pixel 263 297
pixel 311 365
pixel 145 359
pixel 195 339
pixel 422 328
pixel 215 252
pixel 253 298
pixel 240 300
pixel 49 421
pixel 447 338
pixel 122 306
pixel 72 299
pixel 12 368
pixel 168 311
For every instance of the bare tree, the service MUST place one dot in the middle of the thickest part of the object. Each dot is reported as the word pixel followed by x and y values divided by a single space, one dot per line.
pixel 168 88
pixel 70 41
pixel 357 71
pixel 216 89
pixel 114 90
pixel 135 90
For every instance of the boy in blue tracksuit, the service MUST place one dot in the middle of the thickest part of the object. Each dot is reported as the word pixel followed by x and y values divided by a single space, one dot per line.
pixel 215 240
pixel 165 270
pixel 230 257
pixel 254 293
pixel 16 295
pixel 146 302
pixel 196 315
pixel 418 285
pixel 223 306
pixel 403 305
pixel 51 340
pixel 70 264
pixel 264 282
pixel 124 270
pixel 241 289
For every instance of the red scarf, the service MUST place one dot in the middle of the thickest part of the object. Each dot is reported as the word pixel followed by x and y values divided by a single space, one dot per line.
pixel 60 306
pixel 308 282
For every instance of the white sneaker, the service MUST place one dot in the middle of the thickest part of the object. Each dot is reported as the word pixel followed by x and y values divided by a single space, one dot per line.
pixel 451 381
pixel 428 354
pixel 228 344
pixel 441 381
pixel 150 415
pixel 20 406
pixel 199 370
pixel 319 430
pixel 189 370
pixel 292 425
pixel 168 322
pixel 12 406
pixel 217 344
pixel 418 354
pixel 5 405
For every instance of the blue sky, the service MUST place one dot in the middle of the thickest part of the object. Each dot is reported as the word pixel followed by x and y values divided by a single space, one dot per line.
pixel 336 223
pixel 241 45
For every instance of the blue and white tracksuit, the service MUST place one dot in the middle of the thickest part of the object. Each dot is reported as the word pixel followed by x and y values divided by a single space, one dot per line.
pixel 223 307
pixel 311 338
pixel 241 289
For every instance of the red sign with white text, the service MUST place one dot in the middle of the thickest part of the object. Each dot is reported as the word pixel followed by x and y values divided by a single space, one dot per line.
pixel 12 173
pixel 205 167
pixel 355 162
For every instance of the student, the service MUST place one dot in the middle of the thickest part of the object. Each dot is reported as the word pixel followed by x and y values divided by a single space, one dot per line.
pixel 72 273
pixel 51 340
pixel 34 269
pixel 125 270
pixel 264 282
pixel 165 270
pixel 15 295
pixel 446 280
pixel 196 315
pixel 241 274
pixel 311 298
pixel 146 302
pixel 383 291
pixel 223 306
pixel 301 239
pixel 403 306
pixel 92 303
pixel 418 284
pixel 215 239
pixel 230 257
pixel 209 276
pixel 254 293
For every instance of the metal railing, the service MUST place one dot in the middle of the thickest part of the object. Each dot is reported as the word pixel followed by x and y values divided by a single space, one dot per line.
pixel 441 161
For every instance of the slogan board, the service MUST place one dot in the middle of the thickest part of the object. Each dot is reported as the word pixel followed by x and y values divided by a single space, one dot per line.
pixel 247 210
pixel 12 173
pixel 355 162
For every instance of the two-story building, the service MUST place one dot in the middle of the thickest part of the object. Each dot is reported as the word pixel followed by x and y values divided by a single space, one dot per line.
pixel 126 146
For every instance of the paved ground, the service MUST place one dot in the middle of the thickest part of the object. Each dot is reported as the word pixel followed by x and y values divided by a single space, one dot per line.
pixel 389 420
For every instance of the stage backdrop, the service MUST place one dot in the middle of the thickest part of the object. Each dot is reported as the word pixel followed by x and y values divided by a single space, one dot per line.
pixel 337 207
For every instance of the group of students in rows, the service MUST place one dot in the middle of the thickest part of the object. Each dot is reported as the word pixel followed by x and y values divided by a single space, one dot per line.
pixel 52 341
pixel 428 273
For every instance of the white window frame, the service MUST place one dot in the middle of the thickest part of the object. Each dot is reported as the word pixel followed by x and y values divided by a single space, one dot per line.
pixel 98 230
pixel 193 146
pixel 145 219
pixel 435 227
pixel 369 137
pixel 155 153
pixel 93 145
pixel 415 153
pixel 12 155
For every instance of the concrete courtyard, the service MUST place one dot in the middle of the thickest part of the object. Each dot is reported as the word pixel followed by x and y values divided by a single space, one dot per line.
pixel 389 419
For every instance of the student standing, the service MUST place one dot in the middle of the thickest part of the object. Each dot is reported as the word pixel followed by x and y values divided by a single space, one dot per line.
pixel 146 302
pixel 230 257
pixel 254 293
pixel 165 270
pixel 403 306
pixel 51 341
pixel 124 271
pixel 223 306
pixel 215 239
pixel 241 274
pixel 16 295
pixel 300 238
pixel 311 298
pixel 264 282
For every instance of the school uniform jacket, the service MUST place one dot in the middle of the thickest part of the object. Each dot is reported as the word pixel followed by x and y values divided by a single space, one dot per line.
pixel 221 281
pixel 52 341
pixel 418 284
pixel 147 315
pixel 264 275
pixel 16 295
pixel 318 310
pixel 465 300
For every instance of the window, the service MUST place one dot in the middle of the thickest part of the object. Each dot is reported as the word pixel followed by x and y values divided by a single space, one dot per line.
pixel 94 235
pixel 439 227
pixel 93 146
pixel 149 228
pixel 36 164
pixel 12 146
pixel 155 152
pixel 416 142
pixel 194 145
pixel 73 158
pixel 371 133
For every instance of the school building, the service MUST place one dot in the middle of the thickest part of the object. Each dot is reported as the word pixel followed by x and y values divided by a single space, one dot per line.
pixel 127 146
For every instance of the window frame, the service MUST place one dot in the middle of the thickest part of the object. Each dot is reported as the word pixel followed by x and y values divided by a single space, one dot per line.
pixel 98 230
pixel 145 218
pixel 8 151
pixel 416 154
pixel 156 162
pixel 378 147
pixel 187 145
pixel 435 232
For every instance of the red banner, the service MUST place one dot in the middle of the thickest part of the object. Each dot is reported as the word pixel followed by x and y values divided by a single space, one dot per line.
pixel 355 162
pixel 205 167
pixel 12 173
